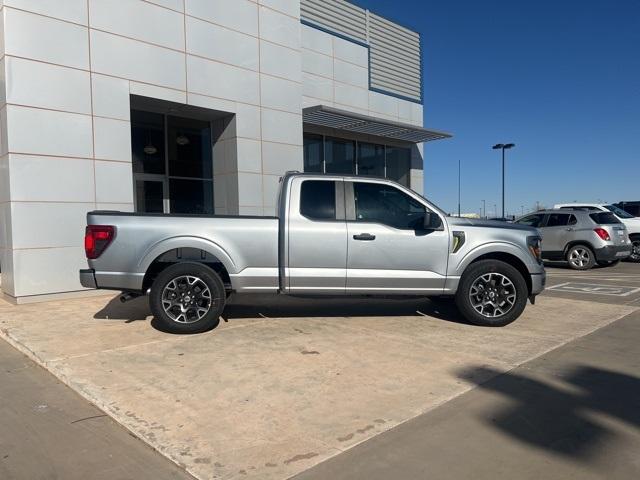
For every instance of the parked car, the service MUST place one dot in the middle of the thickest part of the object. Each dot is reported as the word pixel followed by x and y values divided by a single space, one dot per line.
pixel 582 237
pixel 334 235
pixel 632 208
pixel 632 223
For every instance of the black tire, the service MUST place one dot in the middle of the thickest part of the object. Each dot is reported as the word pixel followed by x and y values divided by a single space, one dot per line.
pixel 484 268
pixel 191 298
pixel 635 252
pixel 580 257
pixel 608 263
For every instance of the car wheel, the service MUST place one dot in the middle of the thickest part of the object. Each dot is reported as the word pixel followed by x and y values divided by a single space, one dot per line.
pixel 580 257
pixel 187 298
pixel 635 250
pixel 491 293
pixel 608 263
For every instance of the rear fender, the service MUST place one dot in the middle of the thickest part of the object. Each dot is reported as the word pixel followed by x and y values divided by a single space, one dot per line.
pixel 199 243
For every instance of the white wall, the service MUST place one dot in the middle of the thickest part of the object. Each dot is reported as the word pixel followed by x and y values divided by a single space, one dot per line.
pixel 67 71
pixel 335 72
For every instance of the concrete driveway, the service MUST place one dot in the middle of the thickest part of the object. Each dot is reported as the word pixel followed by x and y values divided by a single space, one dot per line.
pixel 281 385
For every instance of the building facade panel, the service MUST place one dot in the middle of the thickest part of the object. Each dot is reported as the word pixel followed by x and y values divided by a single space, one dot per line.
pixel 201 111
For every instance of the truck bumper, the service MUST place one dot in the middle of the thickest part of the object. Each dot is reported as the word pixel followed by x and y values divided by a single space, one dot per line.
pixel 88 278
pixel 610 253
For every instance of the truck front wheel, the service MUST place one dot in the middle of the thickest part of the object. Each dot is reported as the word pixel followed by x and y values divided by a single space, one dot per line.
pixel 187 297
pixel 491 293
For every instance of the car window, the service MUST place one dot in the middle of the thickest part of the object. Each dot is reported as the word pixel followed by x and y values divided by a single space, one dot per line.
pixel 375 202
pixel 618 211
pixel 531 220
pixel 572 220
pixel 558 220
pixel 318 199
pixel 604 218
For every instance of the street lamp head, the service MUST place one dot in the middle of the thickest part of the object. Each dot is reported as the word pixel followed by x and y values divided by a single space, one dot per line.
pixel 498 146
pixel 509 145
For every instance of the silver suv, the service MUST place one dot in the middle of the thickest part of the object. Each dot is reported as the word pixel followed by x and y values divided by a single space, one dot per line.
pixel 581 237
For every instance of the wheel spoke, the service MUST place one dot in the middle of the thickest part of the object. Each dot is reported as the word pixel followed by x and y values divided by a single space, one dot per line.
pixel 186 299
pixel 492 295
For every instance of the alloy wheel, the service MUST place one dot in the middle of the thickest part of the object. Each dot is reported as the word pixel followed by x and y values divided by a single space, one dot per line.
pixel 492 295
pixel 186 299
pixel 579 257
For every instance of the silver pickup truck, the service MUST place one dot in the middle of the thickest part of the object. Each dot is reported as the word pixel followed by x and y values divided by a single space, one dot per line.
pixel 334 235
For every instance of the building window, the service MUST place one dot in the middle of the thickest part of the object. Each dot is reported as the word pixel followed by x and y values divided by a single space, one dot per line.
pixel 371 160
pixel 341 156
pixel 172 164
pixel 398 164
pixel 313 153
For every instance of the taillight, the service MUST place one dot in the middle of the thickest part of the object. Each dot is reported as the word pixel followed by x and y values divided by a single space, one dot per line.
pixel 96 239
pixel 602 233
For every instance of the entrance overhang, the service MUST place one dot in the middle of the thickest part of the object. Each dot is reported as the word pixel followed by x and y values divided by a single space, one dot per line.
pixel 330 117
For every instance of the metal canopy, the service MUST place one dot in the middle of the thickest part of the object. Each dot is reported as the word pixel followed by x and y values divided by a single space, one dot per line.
pixel 330 117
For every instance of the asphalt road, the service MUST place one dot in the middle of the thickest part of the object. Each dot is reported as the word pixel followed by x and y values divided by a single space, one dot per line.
pixel 47 431
pixel 573 413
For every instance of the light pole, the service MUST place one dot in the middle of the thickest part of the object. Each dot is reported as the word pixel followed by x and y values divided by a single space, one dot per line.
pixel 503 147
pixel 484 209
pixel 458 188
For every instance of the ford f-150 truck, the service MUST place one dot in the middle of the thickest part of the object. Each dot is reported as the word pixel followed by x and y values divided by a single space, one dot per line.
pixel 334 235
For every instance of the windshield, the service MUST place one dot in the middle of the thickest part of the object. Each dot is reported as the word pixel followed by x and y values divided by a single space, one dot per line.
pixel 618 211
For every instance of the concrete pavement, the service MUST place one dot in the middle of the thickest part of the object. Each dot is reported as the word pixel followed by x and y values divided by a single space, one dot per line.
pixel 573 413
pixel 285 383
pixel 47 431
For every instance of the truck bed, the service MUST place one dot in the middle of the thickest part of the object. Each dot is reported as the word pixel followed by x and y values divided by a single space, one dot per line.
pixel 141 239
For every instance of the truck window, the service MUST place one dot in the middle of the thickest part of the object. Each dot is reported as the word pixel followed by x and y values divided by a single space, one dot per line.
pixel 379 203
pixel 318 199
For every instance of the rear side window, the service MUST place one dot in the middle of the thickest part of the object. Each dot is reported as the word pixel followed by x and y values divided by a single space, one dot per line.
pixel 531 220
pixel 558 220
pixel 604 218
pixel 318 200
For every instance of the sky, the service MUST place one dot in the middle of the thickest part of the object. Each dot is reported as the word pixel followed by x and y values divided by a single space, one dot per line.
pixel 560 79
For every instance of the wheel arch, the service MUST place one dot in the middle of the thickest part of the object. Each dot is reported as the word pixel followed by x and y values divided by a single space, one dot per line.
pixel 182 249
pixel 574 243
pixel 509 259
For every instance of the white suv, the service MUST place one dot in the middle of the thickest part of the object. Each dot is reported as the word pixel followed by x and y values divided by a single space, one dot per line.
pixel 632 223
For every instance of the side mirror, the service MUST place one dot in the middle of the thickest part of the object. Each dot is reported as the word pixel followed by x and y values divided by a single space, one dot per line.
pixel 432 221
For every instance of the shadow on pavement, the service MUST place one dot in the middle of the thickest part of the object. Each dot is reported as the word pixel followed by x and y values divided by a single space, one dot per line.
pixel 272 306
pixel 564 421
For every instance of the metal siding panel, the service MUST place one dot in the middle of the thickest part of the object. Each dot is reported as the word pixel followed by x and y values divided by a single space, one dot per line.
pixel 395 51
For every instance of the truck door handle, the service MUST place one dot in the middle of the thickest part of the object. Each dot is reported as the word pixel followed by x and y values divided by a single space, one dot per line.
pixel 569 229
pixel 365 237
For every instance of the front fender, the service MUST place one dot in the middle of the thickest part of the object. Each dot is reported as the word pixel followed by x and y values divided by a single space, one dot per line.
pixel 458 265
pixel 199 243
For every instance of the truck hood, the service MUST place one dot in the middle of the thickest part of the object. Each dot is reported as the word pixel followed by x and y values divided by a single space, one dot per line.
pixel 474 222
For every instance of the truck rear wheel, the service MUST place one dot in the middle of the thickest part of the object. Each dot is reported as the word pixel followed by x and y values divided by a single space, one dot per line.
pixel 187 297
pixel 491 293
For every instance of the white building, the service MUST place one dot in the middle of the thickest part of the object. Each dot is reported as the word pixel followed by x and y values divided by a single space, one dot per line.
pixel 187 106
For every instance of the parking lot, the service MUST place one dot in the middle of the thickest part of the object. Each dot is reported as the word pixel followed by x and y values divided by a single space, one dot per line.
pixel 619 285
pixel 283 385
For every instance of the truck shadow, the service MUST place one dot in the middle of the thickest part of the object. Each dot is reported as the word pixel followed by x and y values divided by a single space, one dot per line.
pixel 569 420
pixel 270 306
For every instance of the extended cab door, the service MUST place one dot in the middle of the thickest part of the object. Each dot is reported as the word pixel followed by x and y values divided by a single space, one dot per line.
pixel 316 237
pixel 389 251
